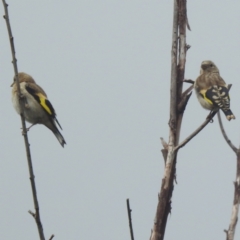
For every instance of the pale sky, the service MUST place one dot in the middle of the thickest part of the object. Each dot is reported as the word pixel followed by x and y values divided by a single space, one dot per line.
pixel 105 66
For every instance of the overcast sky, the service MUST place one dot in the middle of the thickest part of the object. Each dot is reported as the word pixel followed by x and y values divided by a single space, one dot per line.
pixel 105 66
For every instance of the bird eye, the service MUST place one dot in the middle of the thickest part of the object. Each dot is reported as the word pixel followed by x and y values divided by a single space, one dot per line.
pixel 211 65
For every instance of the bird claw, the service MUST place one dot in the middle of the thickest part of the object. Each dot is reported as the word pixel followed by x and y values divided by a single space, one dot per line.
pixel 209 117
pixel 27 129
pixel 23 132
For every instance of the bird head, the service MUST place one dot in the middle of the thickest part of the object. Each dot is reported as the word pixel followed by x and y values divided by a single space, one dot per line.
pixel 23 77
pixel 208 66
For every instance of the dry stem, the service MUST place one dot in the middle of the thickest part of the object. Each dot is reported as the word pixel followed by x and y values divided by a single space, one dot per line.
pixel 28 153
pixel 236 200
pixel 129 210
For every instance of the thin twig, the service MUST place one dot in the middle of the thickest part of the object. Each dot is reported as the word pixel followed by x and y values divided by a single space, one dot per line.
pixel 184 100
pixel 32 213
pixel 28 153
pixel 236 199
pixel 224 133
pixel 51 237
pixel 187 90
pixel 188 81
pixel 204 124
pixel 164 150
pixel 130 219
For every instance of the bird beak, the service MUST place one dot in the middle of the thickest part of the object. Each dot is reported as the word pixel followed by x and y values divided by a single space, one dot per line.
pixel 12 84
pixel 204 66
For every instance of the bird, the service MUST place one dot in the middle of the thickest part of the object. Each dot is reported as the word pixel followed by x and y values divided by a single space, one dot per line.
pixel 211 90
pixel 37 108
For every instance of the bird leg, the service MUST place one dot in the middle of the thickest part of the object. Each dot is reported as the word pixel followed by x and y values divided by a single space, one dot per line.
pixel 30 126
pixel 211 115
pixel 21 96
pixel 27 129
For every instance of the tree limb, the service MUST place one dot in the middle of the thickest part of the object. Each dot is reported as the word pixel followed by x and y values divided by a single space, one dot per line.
pixel 178 59
pixel 203 125
pixel 236 201
pixel 28 153
pixel 129 210
pixel 51 237
pixel 225 135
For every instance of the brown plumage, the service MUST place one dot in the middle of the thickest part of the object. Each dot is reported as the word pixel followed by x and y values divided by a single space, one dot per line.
pixel 211 90
pixel 37 108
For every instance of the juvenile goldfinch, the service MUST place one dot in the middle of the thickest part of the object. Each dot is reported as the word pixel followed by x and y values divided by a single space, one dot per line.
pixel 212 91
pixel 37 108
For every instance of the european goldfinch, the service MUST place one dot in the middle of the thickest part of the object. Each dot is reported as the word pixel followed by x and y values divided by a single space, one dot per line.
pixel 212 91
pixel 37 108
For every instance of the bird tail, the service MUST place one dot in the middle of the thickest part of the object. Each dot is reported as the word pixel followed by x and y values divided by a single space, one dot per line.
pixel 229 114
pixel 220 98
pixel 59 136
pixel 51 124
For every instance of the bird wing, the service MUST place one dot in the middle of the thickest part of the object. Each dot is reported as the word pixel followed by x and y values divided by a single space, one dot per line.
pixel 205 83
pixel 40 96
pixel 204 94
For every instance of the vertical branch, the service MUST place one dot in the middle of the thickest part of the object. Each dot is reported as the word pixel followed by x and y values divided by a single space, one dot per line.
pixel 224 133
pixel 129 210
pixel 28 153
pixel 164 198
pixel 182 19
pixel 178 59
pixel 236 200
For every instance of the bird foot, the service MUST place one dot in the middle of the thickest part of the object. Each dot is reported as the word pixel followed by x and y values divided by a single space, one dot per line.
pixel 23 132
pixel 209 117
pixel 27 129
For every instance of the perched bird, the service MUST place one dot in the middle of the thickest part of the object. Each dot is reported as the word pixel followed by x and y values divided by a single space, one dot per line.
pixel 212 91
pixel 37 108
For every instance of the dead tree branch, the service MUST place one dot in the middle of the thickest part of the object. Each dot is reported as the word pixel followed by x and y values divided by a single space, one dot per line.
pixel 129 210
pixel 225 135
pixel 189 81
pixel 51 237
pixel 236 199
pixel 28 153
pixel 200 128
pixel 178 59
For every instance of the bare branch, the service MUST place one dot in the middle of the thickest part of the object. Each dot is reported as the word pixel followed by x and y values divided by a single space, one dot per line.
pixel 189 81
pixel 203 125
pixel 32 213
pixel 21 100
pixel 164 150
pixel 164 153
pixel 178 59
pixel 236 201
pixel 187 91
pixel 224 133
pixel 164 144
pixel 187 47
pixel 51 237
pixel 129 210
pixel 185 97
